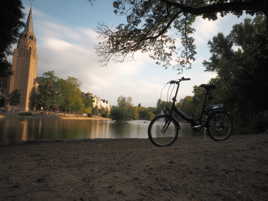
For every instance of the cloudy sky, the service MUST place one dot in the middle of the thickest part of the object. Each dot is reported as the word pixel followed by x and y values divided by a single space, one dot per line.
pixel 66 39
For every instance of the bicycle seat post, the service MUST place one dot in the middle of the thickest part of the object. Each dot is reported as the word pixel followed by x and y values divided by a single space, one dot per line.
pixel 174 99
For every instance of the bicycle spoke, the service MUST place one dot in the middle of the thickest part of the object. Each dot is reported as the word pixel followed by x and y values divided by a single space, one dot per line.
pixel 163 131
pixel 220 126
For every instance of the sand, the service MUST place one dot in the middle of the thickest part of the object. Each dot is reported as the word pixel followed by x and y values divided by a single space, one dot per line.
pixel 193 169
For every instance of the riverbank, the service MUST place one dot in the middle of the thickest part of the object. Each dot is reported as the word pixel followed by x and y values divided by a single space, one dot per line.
pixel 63 116
pixel 80 117
pixel 100 170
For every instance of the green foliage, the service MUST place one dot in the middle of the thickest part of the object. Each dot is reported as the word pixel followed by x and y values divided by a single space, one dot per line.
pixel 10 20
pixel 71 96
pixel 34 98
pixel 150 27
pixel 2 101
pixel 49 89
pixel 5 67
pixel 162 106
pixel 136 113
pixel 119 114
pixel 87 110
pixel 126 111
pixel 146 113
pixel 240 60
pixel 187 105
pixel 14 98
pixel 88 102
pixel 104 112
pixel 100 112
pixel 56 94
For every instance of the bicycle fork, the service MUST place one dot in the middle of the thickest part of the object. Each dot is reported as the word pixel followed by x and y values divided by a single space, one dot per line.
pixel 166 125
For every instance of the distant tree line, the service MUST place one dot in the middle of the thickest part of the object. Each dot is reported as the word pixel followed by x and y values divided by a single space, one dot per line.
pixel 125 110
pixel 62 95
pixel 12 98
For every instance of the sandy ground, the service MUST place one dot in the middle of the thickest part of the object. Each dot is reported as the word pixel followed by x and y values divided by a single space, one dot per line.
pixel 193 169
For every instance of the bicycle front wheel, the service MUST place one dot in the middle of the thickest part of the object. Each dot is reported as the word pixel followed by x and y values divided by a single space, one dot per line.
pixel 163 130
pixel 219 126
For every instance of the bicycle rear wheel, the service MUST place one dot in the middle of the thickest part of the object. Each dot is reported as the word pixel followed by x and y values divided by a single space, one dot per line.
pixel 163 130
pixel 219 126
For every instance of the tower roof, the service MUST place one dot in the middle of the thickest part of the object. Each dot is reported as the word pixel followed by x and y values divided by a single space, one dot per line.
pixel 29 24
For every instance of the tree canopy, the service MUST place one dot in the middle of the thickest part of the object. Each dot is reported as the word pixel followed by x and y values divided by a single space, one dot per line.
pixel 57 94
pixel 125 111
pixel 11 22
pixel 240 61
pixel 154 26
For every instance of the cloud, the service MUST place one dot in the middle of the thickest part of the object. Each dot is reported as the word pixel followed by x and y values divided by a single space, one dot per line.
pixel 205 30
pixel 70 51
pixel 57 44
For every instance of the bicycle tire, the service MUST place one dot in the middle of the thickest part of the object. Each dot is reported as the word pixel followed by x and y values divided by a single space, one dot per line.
pixel 219 126
pixel 163 130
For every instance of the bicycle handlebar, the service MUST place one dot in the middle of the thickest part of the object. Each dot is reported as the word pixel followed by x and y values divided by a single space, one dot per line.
pixel 185 79
pixel 178 81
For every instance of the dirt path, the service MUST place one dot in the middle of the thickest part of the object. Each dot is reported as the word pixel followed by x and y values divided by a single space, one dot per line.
pixel 194 169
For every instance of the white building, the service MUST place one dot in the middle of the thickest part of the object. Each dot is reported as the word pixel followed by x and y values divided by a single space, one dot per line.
pixel 101 104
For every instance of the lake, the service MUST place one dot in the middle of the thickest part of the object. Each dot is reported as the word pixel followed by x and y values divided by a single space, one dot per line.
pixel 14 129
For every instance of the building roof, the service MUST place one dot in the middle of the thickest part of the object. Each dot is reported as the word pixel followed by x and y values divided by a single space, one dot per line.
pixel 29 25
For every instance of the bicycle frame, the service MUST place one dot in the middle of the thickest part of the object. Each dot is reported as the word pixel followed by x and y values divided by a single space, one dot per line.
pixel 184 115
pixel 217 122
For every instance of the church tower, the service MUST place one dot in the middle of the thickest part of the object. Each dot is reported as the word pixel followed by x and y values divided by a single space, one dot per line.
pixel 24 66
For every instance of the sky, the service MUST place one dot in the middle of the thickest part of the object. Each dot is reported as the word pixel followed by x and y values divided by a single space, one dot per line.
pixel 67 38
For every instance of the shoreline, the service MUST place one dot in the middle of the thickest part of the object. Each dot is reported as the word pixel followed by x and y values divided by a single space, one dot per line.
pixel 83 118
pixel 54 115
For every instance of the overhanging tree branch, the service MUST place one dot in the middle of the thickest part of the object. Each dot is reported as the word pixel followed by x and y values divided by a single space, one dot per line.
pixel 165 28
pixel 220 7
pixel 148 23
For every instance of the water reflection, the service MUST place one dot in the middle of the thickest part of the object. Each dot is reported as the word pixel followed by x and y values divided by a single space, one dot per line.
pixel 16 129
pixel 24 130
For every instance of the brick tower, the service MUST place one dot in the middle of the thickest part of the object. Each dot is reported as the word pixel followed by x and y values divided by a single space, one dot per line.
pixel 24 66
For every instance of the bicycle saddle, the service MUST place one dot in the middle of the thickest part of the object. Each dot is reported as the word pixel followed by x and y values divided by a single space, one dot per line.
pixel 208 86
